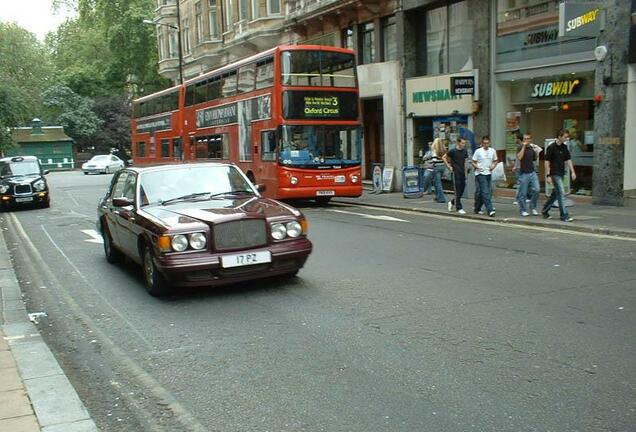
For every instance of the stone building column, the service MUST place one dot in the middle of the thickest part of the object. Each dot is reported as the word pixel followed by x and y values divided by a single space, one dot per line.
pixel 610 113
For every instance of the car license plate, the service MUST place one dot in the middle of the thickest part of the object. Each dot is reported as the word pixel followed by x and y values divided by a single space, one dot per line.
pixel 246 259
pixel 325 193
pixel 24 199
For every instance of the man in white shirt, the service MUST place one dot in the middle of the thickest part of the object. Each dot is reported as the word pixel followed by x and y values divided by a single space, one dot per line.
pixel 484 161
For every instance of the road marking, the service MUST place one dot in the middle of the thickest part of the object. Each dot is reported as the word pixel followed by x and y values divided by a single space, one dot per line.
pixel 511 225
pixel 95 237
pixel 368 216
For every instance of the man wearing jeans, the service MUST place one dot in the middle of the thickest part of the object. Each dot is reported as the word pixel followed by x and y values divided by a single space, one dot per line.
pixel 527 152
pixel 484 161
pixel 556 156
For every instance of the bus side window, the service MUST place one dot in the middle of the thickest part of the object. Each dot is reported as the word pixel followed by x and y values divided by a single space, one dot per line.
pixel 268 145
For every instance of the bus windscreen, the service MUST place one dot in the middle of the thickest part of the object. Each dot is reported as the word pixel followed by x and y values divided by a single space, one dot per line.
pixel 319 146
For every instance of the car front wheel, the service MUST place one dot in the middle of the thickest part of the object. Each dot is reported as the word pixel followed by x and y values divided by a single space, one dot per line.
pixel 155 283
pixel 113 256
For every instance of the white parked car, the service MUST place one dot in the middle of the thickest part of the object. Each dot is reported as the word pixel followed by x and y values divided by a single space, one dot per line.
pixel 105 164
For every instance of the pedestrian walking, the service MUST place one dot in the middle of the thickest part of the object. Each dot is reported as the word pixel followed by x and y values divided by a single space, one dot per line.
pixel 527 153
pixel 556 156
pixel 484 161
pixel 427 171
pixel 438 150
pixel 455 160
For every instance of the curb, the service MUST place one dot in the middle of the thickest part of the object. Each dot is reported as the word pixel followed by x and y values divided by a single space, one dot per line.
pixel 511 221
pixel 57 406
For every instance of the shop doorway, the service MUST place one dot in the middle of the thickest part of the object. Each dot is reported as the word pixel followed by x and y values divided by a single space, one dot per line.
pixel 373 120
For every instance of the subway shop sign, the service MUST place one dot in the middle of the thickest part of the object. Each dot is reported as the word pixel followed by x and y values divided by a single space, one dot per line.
pixel 318 105
pixel 556 88
pixel 580 19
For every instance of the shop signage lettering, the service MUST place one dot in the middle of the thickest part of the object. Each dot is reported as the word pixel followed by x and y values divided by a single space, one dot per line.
pixel 582 20
pixel 433 96
pixel 462 86
pixel 321 106
pixel 216 116
pixel 555 88
pixel 541 37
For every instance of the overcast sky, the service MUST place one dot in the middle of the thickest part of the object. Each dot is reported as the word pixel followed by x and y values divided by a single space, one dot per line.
pixel 34 15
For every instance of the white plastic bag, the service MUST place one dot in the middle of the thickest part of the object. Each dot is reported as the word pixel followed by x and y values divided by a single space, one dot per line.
pixel 498 174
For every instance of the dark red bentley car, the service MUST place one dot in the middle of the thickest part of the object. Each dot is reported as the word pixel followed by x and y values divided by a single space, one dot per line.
pixel 199 224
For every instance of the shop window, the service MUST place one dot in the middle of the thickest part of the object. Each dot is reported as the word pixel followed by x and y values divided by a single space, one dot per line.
pixel 389 38
pixel 367 43
pixel 141 149
pixel 211 147
pixel 449 34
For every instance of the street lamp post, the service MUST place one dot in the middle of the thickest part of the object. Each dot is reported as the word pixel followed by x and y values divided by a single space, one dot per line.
pixel 146 21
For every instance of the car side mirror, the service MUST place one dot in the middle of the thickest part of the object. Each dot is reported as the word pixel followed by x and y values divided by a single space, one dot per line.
pixel 45 172
pixel 261 187
pixel 122 202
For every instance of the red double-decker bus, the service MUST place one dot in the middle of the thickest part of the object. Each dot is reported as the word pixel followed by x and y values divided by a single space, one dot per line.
pixel 289 117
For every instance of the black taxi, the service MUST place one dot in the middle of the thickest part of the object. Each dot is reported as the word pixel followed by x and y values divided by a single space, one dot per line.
pixel 22 182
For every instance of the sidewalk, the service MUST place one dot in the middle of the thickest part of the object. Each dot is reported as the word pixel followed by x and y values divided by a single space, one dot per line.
pixel 35 395
pixel 615 221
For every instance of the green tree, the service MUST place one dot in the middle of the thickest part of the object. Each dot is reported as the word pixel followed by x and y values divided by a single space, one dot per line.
pixel 25 70
pixel 74 112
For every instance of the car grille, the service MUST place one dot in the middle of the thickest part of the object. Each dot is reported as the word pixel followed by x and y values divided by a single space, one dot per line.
pixel 23 189
pixel 240 234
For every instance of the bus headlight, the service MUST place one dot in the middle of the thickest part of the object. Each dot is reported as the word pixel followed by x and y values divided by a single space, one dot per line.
pixel 278 231
pixel 294 180
pixel 179 243
pixel 197 241
pixel 354 179
pixel 293 229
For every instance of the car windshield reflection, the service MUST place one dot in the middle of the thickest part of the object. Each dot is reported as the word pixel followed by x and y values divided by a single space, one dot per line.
pixel 19 169
pixel 191 182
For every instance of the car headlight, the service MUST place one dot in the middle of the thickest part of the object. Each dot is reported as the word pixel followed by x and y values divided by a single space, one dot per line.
pixel 293 229
pixel 4 188
pixel 279 231
pixel 179 243
pixel 197 241
pixel 39 185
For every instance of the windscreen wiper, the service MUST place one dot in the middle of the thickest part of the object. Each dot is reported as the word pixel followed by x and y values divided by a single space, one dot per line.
pixel 233 192
pixel 185 197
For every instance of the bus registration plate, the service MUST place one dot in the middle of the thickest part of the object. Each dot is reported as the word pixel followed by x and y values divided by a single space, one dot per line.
pixel 325 193
pixel 246 259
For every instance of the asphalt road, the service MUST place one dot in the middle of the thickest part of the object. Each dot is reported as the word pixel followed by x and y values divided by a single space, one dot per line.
pixel 398 322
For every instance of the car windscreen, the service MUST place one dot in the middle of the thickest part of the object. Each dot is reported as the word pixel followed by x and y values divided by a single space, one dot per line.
pixel 165 185
pixel 19 168
pixel 102 158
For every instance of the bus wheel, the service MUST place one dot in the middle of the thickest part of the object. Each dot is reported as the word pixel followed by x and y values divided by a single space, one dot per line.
pixel 323 201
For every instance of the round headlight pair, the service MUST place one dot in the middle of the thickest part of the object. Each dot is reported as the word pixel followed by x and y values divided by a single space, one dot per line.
pixel 180 242
pixel 290 229
pixel 39 185
pixel 4 188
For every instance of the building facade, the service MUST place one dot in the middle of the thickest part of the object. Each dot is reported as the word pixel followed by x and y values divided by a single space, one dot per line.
pixel 526 77
pixel 49 144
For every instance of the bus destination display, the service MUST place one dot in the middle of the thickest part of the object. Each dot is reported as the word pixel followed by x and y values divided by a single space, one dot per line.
pixel 316 105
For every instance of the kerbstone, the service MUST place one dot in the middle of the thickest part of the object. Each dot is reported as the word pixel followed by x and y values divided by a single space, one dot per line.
pixel 81 426
pixel 55 401
pixel 35 360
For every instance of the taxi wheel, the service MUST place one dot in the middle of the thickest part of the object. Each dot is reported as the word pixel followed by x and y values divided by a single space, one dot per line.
pixel 155 283
pixel 113 256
